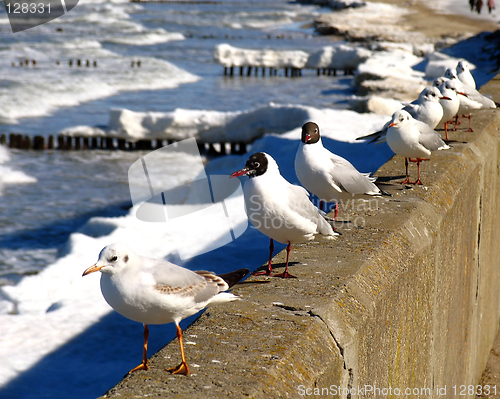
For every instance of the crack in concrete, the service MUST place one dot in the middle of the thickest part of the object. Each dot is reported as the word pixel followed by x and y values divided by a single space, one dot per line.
pixel 350 372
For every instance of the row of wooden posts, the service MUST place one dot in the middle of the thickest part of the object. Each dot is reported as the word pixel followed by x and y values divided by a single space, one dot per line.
pixel 71 63
pixel 292 72
pixel 24 142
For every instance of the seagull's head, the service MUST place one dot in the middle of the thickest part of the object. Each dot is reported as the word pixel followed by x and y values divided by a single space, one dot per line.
pixel 462 66
pixel 450 87
pixel 310 133
pixel 112 259
pixel 399 118
pixel 439 81
pixel 450 74
pixel 432 93
pixel 258 164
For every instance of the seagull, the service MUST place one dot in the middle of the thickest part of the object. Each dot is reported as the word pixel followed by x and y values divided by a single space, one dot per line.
pixel 405 138
pixel 280 210
pixel 427 107
pixel 451 105
pixel 466 104
pixel 468 95
pixel 463 73
pixel 155 291
pixel 470 91
pixel 425 110
pixel 328 176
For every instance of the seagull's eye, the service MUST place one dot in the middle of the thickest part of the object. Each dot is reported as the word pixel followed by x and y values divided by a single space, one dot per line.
pixel 114 258
pixel 256 165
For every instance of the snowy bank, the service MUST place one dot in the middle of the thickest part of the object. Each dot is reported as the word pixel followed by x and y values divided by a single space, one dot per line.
pixel 204 125
pixel 342 56
pixel 229 56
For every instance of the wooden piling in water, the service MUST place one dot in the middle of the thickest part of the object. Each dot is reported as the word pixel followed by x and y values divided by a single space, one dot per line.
pixel 143 145
pixel 39 143
pixel 109 143
pixel 122 145
pixel 68 143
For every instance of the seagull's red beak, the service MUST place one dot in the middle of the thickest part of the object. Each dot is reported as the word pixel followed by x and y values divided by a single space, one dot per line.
pixel 392 124
pixel 445 98
pixel 308 138
pixel 92 269
pixel 463 94
pixel 240 172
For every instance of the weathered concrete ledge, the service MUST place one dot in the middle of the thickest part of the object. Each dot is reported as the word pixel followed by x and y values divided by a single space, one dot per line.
pixel 412 300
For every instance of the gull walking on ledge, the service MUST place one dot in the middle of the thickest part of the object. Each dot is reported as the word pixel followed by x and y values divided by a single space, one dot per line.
pixel 280 210
pixel 155 291
pixel 328 176
pixel 410 141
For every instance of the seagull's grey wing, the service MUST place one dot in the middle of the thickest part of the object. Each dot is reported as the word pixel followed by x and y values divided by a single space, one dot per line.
pixel 301 205
pixel 173 279
pixel 424 128
pixel 429 138
pixel 413 109
pixel 201 285
pixel 474 95
pixel 349 179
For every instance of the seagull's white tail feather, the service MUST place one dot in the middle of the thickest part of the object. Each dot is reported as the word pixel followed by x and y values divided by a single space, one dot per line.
pixel 223 297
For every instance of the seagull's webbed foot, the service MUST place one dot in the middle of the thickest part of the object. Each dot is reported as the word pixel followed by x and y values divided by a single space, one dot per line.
pixel 262 273
pixel 284 275
pixel 405 181
pixel 418 182
pixel 142 366
pixel 180 369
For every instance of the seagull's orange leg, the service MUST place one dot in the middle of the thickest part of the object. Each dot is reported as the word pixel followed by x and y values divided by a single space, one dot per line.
pixel 144 364
pixel 470 120
pixel 285 274
pixel 418 181
pixel 183 367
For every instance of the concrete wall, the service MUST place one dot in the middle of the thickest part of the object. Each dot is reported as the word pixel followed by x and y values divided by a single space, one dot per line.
pixel 409 301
